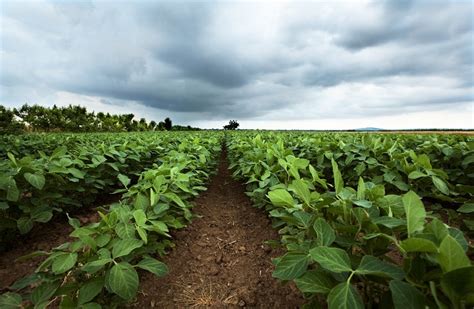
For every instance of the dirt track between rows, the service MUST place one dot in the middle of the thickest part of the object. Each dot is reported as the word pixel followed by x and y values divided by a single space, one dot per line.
pixel 221 259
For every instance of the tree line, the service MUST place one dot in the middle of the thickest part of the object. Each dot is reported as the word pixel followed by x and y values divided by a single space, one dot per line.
pixel 75 118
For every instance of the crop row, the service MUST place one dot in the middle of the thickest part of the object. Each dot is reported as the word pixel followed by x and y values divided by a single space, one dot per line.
pixel 99 267
pixel 33 187
pixel 360 237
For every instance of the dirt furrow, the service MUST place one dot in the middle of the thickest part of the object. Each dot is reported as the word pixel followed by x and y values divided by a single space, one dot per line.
pixel 221 259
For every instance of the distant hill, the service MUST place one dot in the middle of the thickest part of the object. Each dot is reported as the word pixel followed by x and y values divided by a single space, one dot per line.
pixel 368 129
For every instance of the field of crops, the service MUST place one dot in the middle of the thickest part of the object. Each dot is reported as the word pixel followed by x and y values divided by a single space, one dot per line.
pixel 365 220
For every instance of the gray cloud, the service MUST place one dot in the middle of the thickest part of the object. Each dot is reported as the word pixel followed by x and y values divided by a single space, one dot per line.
pixel 241 60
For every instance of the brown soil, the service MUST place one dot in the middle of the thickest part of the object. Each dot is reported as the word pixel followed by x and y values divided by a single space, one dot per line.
pixel 221 259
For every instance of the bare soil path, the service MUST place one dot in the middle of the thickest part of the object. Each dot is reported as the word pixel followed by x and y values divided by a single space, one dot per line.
pixel 220 259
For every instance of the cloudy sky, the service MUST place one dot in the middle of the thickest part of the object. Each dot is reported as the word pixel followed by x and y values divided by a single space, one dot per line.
pixel 268 64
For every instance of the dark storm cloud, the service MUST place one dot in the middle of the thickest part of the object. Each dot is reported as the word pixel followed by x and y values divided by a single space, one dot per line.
pixel 240 60
pixel 410 22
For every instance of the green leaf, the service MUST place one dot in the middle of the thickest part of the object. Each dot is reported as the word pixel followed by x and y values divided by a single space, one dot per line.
pixel 140 217
pixel 405 296
pixel 175 198
pixel 361 189
pixel 142 233
pixel 389 222
pixel 125 230
pixel 315 281
pixel 3 206
pixel 44 292
pixel 64 262
pixel 332 259
pixel 36 180
pixel 13 194
pixel 76 173
pixel 371 265
pixel 440 185
pixel 141 202
pixel 24 225
pixel 10 300
pixel 90 290
pixel 451 255
pixel 344 296
pixel 124 180
pixel 123 280
pixel 124 246
pixel 281 197
pixel 467 208
pixel 416 175
pixel 415 212
pixel 300 187
pixel 459 285
pixel 415 244
pixel 290 266
pixel 94 266
pixel 154 266
pixel 338 183
pixel 324 232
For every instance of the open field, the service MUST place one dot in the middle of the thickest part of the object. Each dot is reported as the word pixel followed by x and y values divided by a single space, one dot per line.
pixel 198 219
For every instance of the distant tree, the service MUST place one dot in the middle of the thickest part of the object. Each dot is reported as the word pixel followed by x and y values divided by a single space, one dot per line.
pixel 168 124
pixel 8 122
pixel 233 124
pixel 152 125
pixel 161 126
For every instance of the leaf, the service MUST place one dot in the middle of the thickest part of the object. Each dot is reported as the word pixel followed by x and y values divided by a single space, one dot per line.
pixel 315 281
pixel 416 175
pixel 125 230
pixel 94 266
pixel 124 180
pixel 440 185
pixel 361 189
pixel 459 284
pixel 405 296
pixel 338 183
pixel 76 173
pixel 451 255
pixel 332 259
pixel 154 266
pixel 415 244
pixel 300 187
pixel 64 262
pixel 25 281
pixel 24 225
pixel 90 290
pixel 363 203
pixel 44 292
pixel 344 296
pixel 140 217
pixel 290 266
pixel 124 246
pixel 141 202
pixel 281 197
pixel 467 208
pixel 13 194
pixel 175 198
pixel 371 265
pixel 10 300
pixel 123 280
pixel 389 222
pixel 36 180
pixel 415 212
pixel 324 232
